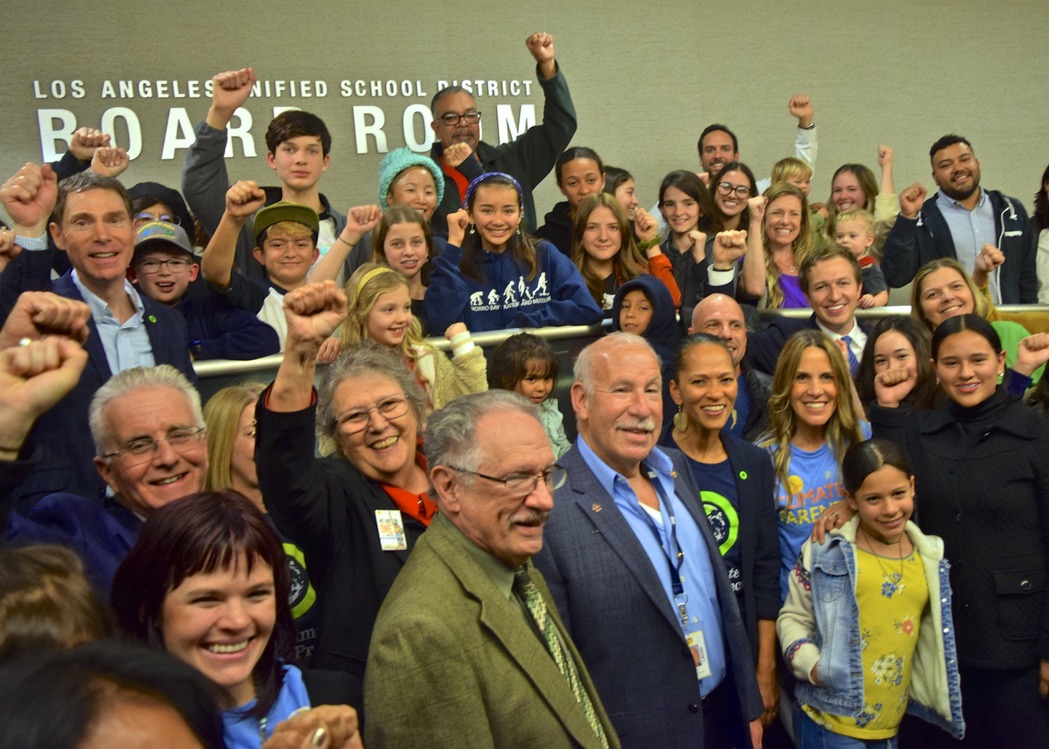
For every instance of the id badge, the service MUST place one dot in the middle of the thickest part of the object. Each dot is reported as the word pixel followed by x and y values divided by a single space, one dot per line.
pixel 391 530
pixel 698 645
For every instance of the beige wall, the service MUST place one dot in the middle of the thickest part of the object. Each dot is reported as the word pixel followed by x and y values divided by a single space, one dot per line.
pixel 645 77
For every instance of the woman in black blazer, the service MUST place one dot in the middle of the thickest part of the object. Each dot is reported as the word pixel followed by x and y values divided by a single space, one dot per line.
pixel 736 483
pixel 357 513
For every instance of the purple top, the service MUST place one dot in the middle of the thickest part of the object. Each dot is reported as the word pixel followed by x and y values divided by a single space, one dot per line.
pixel 792 294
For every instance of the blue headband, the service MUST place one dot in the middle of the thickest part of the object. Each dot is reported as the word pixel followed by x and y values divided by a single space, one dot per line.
pixel 486 175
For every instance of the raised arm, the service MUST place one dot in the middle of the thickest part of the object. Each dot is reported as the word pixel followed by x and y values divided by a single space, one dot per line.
pixel 752 280
pixel 540 145
pixel 81 149
pixel 41 359
pixel 313 313
pixel 359 221
pixel 242 200
pixel 110 161
pixel 900 257
pixel 204 178
pixel 800 107
pixel 29 196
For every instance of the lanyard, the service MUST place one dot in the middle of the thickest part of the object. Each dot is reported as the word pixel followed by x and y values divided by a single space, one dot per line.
pixel 674 555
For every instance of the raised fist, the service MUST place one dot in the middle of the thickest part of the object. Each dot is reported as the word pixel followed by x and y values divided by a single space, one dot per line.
pixel 244 198
pixel 912 199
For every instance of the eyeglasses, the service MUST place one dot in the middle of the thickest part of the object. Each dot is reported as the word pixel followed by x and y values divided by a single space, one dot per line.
pixel 147 217
pixel 357 419
pixel 143 448
pixel 726 188
pixel 524 484
pixel 175 265
pixel 452 119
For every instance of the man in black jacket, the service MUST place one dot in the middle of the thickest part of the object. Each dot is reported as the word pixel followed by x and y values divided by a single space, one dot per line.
pixel 463 156
pixel 957 222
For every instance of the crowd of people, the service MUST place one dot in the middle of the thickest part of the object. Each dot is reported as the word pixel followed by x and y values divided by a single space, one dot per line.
pixel 813 532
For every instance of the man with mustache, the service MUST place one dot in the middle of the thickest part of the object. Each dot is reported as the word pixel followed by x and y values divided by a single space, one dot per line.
pixel 959 221
pixel 463 156
pixel 632 564
pixel 469 629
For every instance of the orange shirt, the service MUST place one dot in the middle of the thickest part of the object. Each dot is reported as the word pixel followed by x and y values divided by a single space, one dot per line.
pixel 418 506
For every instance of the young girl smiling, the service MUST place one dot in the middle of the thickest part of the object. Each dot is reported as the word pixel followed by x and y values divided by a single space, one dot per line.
pixel 867 626
pixel 498 277
pixel 525 364
pixel 380 311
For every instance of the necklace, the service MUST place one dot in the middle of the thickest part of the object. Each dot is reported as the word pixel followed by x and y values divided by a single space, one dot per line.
pixel 892 580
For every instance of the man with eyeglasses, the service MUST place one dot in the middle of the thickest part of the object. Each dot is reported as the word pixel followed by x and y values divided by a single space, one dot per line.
pixel 150 449
pixel 718 146
pixel 633 566
pixel 93 226
pixel 469 626
pixel 463 156
pixel 164 267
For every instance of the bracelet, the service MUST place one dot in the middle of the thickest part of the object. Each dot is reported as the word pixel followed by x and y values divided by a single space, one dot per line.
pixel 810 126
pixel 14 450
pixel 340 239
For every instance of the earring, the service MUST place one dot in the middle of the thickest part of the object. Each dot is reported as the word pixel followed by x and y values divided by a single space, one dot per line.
pixel 680 420
pixel 518 231
pixel 471 228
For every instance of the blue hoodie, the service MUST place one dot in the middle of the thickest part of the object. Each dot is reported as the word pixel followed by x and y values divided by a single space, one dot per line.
pixel 663 332
pixel 557 295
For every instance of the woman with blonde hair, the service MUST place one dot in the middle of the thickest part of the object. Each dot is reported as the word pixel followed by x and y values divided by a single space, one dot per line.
pixel 778 240
pixel 379 310
pixel 813 419
pixel 942 289
pixel 230 418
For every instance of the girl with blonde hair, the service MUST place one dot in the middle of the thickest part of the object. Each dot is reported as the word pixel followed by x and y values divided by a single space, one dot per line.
pixel 379 310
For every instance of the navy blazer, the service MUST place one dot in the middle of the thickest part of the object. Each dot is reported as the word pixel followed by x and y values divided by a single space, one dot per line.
pixel 764 346
pixel 67 462
pixel 758 534
pixel 101 536
pixel 614 607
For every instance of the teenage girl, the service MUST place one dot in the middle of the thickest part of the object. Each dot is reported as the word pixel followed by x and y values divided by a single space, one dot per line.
pixel 494 276
pixel 403 241
pixel 604 250
pixel 579 173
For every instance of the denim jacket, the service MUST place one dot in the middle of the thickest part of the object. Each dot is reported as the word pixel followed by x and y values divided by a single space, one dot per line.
pixel 819 625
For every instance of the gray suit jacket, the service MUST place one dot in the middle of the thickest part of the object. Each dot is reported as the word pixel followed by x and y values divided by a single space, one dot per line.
pixel 614 606
pixel 454 663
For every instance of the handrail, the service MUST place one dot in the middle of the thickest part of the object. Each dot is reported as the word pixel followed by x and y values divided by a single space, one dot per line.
pixel 226 369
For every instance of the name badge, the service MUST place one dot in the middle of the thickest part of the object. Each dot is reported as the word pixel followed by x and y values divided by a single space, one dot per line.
pixel 698 645
pixel 391 530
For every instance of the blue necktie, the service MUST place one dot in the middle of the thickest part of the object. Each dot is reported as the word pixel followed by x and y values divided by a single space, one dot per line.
pixel 854 363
